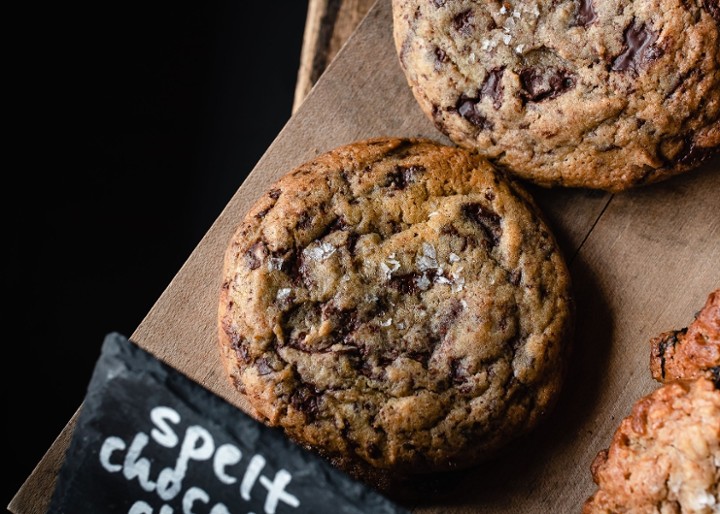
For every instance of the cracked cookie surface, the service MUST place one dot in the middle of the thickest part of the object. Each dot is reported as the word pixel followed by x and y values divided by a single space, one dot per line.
pixel 603 94
pixel 396 304
pixel 665 457
pixel 693 351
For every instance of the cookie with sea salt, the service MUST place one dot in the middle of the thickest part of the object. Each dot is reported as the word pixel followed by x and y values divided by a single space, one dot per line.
pixel 398 306
pixel 603 94
pixel 665 456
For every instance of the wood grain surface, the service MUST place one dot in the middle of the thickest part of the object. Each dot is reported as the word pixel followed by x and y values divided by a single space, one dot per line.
pixel 642 262
pixel 328 26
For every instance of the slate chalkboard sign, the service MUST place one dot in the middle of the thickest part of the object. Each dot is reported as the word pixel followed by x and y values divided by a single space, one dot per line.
pixel 150 441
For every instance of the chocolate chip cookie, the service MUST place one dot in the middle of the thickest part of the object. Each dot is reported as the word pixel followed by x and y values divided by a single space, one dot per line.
pixel 396 305
pixel 602 94
pixel 692 351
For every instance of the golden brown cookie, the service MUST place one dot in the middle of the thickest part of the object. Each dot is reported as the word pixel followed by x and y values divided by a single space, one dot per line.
pixel 692 351
pixel 605 94
pixel 665 457
pixel 397 305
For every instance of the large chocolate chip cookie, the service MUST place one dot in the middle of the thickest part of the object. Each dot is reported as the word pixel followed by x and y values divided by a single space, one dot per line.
pixel 603 94
pixel 396 305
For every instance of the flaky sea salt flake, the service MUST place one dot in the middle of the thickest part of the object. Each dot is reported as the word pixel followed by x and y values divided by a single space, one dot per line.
pixel 507 38
pixel 453 257
pixel 275 263
pixel 423 282
pixel 283 294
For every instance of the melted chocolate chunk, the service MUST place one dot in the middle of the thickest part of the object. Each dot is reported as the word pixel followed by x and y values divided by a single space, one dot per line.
pixel 260 215
pixel 467 107
pixel 344 322
pixel 351 242
pixel 406 284
pixel 639 49
pixel 492 86
pixel 255 255
pixel 439 3
pixel 463 22
pixel 693 155
pixel 306 401
pixel 401 176
pixel 542 84
pixel 488 221
pixel 304 222
pixel 239 345
pixel 585 13
pixel 713 7
pixel 275 193
pixel 447 318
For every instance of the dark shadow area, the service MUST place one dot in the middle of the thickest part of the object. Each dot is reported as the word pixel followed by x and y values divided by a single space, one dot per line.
pixel 136 124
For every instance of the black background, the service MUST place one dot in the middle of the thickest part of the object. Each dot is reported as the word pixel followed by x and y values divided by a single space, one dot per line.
pixel 132 125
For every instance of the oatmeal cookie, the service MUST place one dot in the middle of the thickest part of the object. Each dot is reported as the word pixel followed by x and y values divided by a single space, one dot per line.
pixel 665 457
pixel 692 351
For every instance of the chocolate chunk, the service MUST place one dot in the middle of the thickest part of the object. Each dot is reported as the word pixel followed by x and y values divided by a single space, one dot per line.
pixel 344 321
pixel 639 49
pixel 542 84
pixel 488 221
pixel 693 155
pixel 255 255
pixel 713 7
pixel 467 107
pixel 338 224
pixel 304 222
pixel 406 284
pixel 260 215
pixel 401 176
pixel 306 401
pixel 492 86
pixel 439 3
pixel 240 346
pixel 516 277
pixel 274 193
pixel 463 22
pixel 585 13
pixel 447 318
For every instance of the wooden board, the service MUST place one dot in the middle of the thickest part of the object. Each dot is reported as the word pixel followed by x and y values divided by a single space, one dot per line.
pixel 328 26
pixel 642 262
